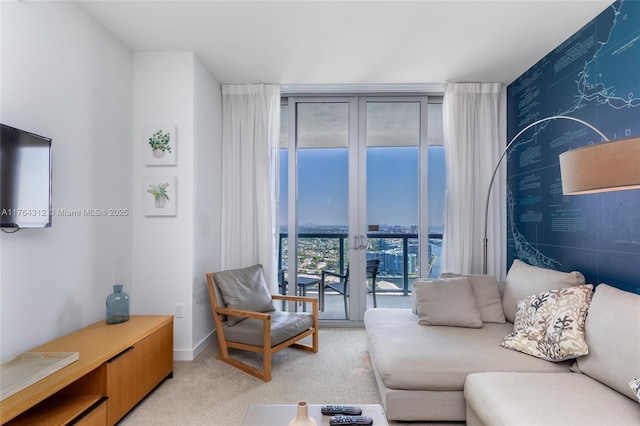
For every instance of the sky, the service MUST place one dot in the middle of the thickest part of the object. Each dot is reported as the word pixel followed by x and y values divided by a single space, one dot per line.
pixel 392 186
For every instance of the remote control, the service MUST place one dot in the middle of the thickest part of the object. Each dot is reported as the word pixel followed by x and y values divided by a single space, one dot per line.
pixel 350 420
pixel 332 410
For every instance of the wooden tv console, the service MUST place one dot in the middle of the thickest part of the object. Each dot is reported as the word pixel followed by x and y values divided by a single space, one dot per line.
pixel 118 365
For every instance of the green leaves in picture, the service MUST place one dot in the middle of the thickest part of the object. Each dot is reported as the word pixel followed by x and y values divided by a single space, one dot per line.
pixel 160 141
pixel 159 191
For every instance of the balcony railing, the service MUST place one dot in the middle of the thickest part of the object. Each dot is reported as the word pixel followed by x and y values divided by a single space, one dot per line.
pixel 328 252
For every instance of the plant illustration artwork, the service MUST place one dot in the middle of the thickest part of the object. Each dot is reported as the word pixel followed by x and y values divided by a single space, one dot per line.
pixel 159 143
pixel 160 195
pixel 159 192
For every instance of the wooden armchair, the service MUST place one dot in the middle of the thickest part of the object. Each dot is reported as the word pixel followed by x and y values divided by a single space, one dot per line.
pixel 246 319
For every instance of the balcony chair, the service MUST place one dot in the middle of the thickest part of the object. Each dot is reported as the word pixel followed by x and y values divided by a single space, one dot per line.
pixel 246 319
pixel 342 286
pixel 302 285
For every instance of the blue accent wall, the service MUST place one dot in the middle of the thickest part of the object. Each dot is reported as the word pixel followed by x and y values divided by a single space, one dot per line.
pixel 594 76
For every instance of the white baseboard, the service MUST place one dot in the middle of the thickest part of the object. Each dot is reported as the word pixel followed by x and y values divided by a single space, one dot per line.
pixel 191 354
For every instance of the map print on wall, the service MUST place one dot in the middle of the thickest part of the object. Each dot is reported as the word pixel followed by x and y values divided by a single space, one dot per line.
pixel 594 76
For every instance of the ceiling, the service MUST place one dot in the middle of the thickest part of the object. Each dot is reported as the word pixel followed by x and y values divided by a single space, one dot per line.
pixel 351 42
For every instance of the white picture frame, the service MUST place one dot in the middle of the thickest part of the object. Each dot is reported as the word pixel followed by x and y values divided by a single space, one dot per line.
pixel 159 197
pixel 165 138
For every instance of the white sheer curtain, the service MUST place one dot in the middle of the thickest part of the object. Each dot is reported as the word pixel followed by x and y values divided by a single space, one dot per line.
pixel 251 125
pixel 473 143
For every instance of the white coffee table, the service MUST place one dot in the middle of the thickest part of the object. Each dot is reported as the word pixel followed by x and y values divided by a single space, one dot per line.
pixel 282 414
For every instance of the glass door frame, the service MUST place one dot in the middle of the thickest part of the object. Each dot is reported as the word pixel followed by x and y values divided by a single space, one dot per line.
pixel 357 220
pixel 358 300
pixel 292 171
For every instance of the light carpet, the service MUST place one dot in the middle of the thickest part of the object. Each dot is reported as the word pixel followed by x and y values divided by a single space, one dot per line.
pixel 207 391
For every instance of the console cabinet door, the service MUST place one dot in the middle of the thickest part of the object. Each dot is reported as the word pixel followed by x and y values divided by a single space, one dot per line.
pixel 154 359
pixel 136 371
pixel 120 378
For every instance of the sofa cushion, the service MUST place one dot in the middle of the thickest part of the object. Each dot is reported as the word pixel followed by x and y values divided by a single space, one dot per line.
pixel 448 302
pixel 487 292
pixel 546 399
pixel 550 325
pixel 244 289
pixel 612 331
pixel 524 280
pixel 407 355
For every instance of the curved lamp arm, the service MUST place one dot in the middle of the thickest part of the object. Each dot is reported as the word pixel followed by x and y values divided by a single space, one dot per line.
pixel 495 171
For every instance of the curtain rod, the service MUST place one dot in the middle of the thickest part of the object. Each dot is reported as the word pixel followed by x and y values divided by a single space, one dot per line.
pixel 423 88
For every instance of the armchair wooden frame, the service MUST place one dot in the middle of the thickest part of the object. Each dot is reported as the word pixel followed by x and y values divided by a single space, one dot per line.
pixel 267 350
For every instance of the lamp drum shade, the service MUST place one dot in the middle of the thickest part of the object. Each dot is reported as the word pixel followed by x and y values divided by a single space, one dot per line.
pixel 607 166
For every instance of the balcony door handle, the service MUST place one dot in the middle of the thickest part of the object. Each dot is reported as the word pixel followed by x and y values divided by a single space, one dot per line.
pixel 359 242
pixel 363 242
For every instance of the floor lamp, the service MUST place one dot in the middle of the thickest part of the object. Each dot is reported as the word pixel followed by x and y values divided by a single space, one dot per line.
pixel 608 166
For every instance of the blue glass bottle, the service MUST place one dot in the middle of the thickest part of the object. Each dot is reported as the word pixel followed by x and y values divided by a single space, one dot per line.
pixel 117 306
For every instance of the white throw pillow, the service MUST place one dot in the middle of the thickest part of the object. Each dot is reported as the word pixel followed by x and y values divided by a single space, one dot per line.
pixel 524 280
pixel 487 292
pixel 550 325
pixel 449 302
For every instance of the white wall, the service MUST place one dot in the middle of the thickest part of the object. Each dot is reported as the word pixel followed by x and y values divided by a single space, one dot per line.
pixel 173 88
pixel 65 77
pixel 208 193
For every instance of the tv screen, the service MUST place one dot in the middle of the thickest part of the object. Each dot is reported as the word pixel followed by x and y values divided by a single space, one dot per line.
pixel 25 179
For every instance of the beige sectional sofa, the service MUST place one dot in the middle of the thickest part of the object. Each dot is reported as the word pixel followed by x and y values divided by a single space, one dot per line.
pixel 597 393
pixel 457 373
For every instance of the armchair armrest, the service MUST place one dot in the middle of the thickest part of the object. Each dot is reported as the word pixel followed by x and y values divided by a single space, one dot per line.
pixel 294 298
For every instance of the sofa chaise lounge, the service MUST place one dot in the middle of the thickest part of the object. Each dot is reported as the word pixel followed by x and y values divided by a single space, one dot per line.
pixel 458 373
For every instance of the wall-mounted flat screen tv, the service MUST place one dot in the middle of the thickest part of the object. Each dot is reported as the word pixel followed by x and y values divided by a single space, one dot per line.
pixel 25 179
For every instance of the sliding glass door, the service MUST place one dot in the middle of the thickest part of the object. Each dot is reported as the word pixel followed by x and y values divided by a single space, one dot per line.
pixel 350 187
pixel 393 203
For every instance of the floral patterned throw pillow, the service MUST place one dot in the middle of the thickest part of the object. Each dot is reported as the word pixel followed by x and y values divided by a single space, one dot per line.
pixel 550 325
pixel 635 387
